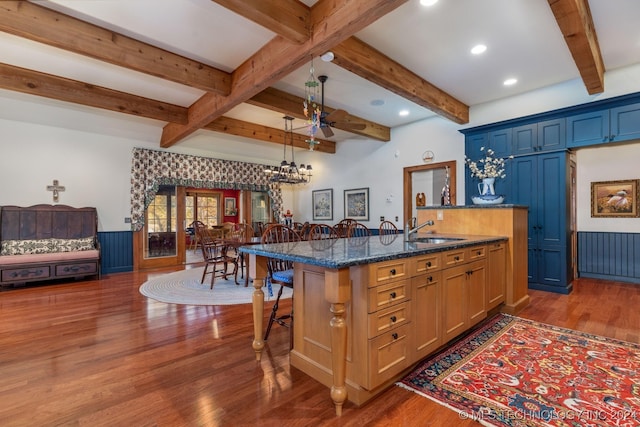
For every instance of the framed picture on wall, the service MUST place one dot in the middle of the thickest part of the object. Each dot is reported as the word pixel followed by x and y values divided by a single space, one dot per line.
pixel 614 199
pixel 322 205
pixel 356 204
pixel 230 206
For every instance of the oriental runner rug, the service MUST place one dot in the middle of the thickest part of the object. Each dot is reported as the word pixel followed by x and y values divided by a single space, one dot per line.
pixel 516 372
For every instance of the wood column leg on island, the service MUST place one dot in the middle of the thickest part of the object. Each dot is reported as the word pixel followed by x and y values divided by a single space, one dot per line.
pixel 258 265
pixel 337 293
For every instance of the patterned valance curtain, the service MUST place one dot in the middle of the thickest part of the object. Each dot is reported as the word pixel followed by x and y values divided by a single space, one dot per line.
pixel 150 169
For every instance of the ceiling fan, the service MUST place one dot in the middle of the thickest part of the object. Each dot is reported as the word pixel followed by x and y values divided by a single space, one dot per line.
pixel 335 117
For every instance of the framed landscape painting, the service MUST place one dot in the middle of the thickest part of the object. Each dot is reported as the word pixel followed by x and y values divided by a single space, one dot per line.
pixel 322 205
pixel 356 204
pixel 614 199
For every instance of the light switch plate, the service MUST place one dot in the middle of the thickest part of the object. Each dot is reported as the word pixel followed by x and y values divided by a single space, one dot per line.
pixel 440 214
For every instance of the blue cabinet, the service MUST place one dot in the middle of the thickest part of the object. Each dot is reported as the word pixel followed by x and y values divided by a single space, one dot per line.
pixel 500 142
pixel 541 182
pixel 604 126
pixel 548 135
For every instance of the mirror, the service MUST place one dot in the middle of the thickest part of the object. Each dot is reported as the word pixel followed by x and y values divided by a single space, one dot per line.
pixel 428 180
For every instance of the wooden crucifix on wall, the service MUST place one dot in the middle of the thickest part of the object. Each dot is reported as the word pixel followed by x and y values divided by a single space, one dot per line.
pixel 56 188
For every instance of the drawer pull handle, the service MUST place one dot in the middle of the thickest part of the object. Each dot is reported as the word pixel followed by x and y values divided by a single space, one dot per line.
pixel 428 264
pixel 392 295
pixel 430 278
pixel 393 319
pixel 456 258
pixel 394 335
pixel 392 271
pixel 479 253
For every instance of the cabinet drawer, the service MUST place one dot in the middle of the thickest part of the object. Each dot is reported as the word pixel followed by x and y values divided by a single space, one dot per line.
pixel 76 269
pixel 477 252
pixel 387 295
pixel 383 272
pixel 424 263
pixel 389 355
pixel 455 257
pixel 26 273
pixel 384 320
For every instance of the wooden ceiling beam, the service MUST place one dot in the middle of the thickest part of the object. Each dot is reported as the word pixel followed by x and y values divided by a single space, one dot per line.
pixel 291 105
pixel 43 25
pixel 63 89
pixel 576 24
pixel 358 57
pixel 332 21
pixel 287 18
pixel 265 133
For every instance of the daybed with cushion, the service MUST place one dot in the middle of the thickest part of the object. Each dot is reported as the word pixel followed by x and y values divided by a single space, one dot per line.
pixel 45 242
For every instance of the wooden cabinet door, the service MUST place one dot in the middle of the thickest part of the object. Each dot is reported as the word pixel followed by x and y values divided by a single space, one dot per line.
pixel 427 323
pixel 454 302
pixel 476 292
pixel 496 274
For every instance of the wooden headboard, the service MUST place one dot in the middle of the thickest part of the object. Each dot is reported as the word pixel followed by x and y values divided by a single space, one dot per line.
pixel 47 221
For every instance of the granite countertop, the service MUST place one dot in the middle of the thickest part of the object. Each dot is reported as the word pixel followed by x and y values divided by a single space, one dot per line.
pixel 341 253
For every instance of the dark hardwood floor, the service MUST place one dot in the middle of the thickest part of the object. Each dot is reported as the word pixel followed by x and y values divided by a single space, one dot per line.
pixel 98 353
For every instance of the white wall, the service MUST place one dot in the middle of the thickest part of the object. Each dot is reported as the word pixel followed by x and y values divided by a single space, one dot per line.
pixel 605 164
pixel 89 152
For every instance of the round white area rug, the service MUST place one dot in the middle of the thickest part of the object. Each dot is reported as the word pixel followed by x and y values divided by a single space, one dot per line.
pixel 184 287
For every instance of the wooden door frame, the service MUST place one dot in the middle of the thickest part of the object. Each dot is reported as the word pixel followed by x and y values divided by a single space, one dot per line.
pixel 407 183
pixel 141 263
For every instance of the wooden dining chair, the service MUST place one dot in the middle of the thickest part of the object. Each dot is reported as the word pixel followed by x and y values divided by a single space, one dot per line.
pixel 196 226
pixel 358 230
pixel 323 231
pixel 342 227
pixel 217 257
pixel 387 227
pixel 279 272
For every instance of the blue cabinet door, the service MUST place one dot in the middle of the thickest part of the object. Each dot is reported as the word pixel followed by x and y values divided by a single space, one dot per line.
pixel 552 199
pixel 525 139
pixel 541 183
pixel 552 135
pixel 524 190
pixel 500 142
pixel 588 129
pixel 473 145
pixel 625 122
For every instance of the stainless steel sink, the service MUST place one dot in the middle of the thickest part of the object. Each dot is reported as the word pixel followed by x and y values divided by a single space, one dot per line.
pixel 435 240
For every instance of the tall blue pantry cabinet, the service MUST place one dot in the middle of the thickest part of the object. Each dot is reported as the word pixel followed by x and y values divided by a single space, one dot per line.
pixel 537 177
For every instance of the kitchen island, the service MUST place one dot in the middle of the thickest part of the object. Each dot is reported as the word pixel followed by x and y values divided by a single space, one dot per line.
pixel 367 309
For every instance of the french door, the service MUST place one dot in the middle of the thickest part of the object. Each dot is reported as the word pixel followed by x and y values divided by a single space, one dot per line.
pixel 162 241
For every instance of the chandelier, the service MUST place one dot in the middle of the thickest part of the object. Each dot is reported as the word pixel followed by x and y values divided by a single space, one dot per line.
pixel 289 173
pixel 311 109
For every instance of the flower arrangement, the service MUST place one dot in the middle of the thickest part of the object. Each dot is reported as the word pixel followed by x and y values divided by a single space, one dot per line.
pixel 489 167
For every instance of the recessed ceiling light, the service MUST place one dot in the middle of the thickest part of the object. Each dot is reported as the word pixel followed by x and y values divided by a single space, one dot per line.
pixel 403 113
pixel 510 82
pixel 478 49
pixel 428 2
pixel 377 102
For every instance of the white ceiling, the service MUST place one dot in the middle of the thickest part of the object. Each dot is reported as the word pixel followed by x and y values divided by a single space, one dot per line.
pixel 522 36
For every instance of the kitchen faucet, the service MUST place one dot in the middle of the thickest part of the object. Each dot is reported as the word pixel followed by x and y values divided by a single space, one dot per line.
pixel 411 228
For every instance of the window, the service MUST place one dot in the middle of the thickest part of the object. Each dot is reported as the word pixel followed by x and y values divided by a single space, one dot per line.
pixel 203 206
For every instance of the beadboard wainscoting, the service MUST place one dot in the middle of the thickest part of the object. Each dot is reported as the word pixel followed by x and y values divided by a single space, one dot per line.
pixel 116 251
pixel 612 256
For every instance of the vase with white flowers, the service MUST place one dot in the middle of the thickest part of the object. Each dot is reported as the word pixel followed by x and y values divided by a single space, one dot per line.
pixel 487 170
